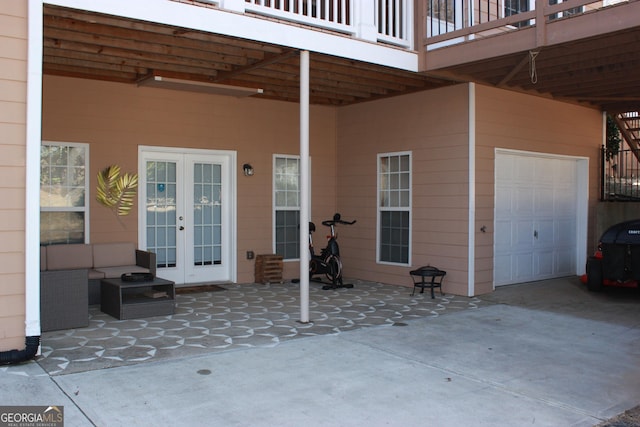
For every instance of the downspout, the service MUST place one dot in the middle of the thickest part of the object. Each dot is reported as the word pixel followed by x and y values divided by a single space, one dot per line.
pixel 13 357
pixel 32 181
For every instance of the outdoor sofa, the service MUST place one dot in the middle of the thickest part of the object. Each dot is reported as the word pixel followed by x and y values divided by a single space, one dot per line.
pixel 70 278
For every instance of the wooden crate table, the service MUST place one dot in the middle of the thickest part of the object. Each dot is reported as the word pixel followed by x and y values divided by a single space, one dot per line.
pixel 268 268
pixel 131 300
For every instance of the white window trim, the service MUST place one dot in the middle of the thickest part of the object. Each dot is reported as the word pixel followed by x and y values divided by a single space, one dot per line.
pixel 88 195
pixel 408 208
pixel 273 197
pixel 281 208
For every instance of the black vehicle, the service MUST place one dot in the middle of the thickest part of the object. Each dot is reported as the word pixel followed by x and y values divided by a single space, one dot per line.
pixel 617 261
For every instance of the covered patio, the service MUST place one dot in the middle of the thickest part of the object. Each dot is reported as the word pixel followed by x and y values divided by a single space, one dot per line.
pixel 236 316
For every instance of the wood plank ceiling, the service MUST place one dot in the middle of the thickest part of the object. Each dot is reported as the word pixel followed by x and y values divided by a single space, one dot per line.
pixel 591 58
pixel 602 71
pixel 93 46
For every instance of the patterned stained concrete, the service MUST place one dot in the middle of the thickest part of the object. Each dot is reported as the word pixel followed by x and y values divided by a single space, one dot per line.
pixel 240 316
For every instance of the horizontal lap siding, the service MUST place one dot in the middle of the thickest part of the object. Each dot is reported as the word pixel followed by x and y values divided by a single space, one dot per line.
pixel 433 125
pixel 13 83
pixel 514 121
pixel 115 118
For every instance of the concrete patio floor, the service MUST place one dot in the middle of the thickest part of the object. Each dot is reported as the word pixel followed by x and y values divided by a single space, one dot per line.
pixel 240 316
pixel 546 354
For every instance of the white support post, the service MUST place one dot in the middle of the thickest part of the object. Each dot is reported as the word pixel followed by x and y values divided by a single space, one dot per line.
pixel 33 142
pixel 471 278
pixel 304 186
pixel 365 20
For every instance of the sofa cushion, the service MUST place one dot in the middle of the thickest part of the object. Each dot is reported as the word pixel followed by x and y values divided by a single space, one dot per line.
pixel 113 254
pixel 116 272
pixel 69 257
pixel 95 274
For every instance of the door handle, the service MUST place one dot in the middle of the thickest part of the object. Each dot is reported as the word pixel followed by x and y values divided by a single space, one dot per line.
pixel 535 234
pixel 181 228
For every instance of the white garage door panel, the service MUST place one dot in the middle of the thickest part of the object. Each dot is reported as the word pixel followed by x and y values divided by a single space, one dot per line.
pixel 503 233
pixel 523 235
pixel 543 233
pixel 503 271
pixel 564 234
pixel 543 204
pixel 524 266
pixel 543 263
pixel 524 200
pixel 565 262
pixel 536 199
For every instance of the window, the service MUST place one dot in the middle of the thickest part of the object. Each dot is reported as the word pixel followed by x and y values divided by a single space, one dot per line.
pixel 514 7
pixel 394 208
pixel 64 188
pixel 286 189
pixel 443 10
pixel 566 13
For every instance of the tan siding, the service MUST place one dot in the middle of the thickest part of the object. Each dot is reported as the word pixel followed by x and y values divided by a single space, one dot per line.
pixel 433 126
pixel 14 285
pixel 13 75
pixel 115 118
pixel 515 121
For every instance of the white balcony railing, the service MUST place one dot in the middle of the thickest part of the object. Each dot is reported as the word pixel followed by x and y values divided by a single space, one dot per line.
pixel 386 21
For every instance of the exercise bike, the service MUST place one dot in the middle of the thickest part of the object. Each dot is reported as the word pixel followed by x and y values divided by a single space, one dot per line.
pixel 328 262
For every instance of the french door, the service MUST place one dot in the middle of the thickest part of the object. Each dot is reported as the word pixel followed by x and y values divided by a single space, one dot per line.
pixel 187 213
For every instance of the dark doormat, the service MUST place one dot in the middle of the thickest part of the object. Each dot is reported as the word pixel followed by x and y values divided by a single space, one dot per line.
pixel 199 289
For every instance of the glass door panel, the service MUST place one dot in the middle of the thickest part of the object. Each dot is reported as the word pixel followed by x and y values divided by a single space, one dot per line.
pixel 207 218
pixel 161 207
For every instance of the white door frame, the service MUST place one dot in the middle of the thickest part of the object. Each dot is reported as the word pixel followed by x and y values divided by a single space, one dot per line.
pixel 144 151
pixel 582 201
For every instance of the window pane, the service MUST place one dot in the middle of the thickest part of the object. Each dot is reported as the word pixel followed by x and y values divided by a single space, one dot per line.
pixel 394 237
pixel 61 228
pixel 404 163
pixel 395 197
pixel 288 234
pixel 63 193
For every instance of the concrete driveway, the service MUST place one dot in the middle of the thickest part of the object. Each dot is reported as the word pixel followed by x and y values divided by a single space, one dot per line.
pixel 544 354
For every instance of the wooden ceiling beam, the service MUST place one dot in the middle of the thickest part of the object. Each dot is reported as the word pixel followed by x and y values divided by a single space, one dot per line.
pixel 515 70
pixel 141 49
pixel 161 38
pixel 286 54
pixel 108 55
pixel 82 73
pixel 80 58
pixel 155 30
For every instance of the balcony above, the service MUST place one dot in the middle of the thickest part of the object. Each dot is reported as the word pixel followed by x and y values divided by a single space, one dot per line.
pixel 252 44
pixel 580 51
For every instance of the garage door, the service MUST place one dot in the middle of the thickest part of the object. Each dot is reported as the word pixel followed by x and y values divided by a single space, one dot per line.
pixel 536 217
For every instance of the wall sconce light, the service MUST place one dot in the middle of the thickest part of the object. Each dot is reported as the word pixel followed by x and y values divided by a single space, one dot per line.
pixel 248 169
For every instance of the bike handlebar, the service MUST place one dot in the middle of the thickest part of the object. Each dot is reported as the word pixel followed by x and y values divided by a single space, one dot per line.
pixel 337 220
